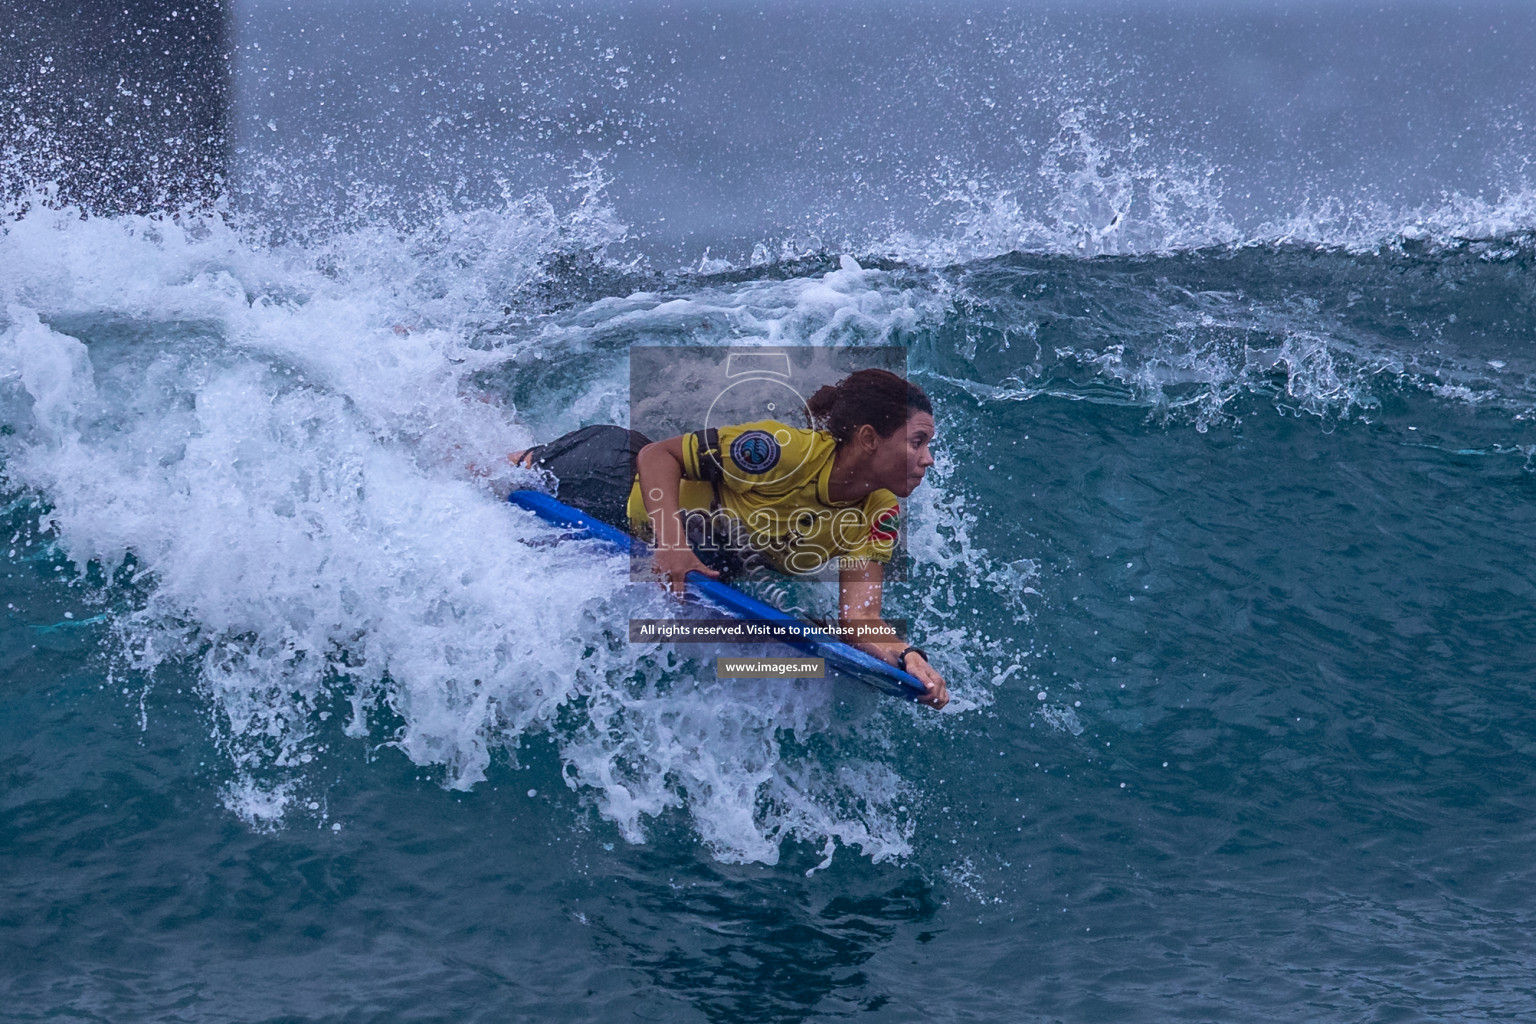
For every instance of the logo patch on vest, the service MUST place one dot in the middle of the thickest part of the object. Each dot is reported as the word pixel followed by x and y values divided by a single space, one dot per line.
pixel 755 451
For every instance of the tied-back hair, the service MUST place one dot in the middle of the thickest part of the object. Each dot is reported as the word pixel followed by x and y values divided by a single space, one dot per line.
pixel 877 397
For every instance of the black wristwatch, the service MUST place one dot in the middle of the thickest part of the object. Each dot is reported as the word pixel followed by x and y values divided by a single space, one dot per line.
pixel 901 659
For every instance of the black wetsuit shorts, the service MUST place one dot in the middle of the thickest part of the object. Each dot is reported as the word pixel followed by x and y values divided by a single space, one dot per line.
pixel 595 469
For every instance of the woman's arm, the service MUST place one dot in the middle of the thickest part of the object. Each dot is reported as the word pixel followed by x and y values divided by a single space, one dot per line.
pixel 859 591
pixel 660 465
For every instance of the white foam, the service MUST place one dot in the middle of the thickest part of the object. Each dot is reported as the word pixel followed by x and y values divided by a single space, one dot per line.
pixel 288 470
pixel 1085 198
pixel 1096 190
pixel 950 567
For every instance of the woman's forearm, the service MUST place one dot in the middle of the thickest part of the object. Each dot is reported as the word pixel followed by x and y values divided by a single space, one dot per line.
pixel 660 465
pixel 859 600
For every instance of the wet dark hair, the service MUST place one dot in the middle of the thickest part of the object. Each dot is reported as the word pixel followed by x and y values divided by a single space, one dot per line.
pixel 877 397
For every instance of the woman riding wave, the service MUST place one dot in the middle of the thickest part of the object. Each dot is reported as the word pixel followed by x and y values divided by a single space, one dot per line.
pixel 713 500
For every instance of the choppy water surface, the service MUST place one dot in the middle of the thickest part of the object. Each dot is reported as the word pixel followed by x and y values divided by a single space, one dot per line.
pixel 1227 558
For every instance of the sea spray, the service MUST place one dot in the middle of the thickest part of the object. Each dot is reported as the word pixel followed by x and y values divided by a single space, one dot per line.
pixel 289 447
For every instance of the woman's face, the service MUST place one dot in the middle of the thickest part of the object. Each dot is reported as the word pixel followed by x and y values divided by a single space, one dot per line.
pixel 899 461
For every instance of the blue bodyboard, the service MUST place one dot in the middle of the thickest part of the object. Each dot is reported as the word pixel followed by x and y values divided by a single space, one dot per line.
pixel 839 656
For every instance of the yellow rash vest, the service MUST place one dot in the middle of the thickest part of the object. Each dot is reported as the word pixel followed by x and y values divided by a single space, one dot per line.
pixel 772 479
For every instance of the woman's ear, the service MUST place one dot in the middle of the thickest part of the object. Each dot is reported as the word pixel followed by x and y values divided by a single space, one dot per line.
pixel 867 437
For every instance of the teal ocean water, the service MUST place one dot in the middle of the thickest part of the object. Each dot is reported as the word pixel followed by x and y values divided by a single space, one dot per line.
pixel 1228 565
pixel 1227 558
